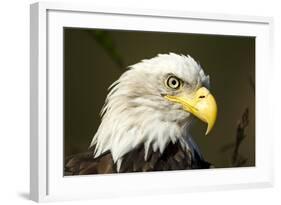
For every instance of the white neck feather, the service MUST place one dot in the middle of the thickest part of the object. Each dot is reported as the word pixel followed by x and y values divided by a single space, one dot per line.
pixel 123 132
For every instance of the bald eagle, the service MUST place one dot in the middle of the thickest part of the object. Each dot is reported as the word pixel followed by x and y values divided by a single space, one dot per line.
pixel 146 119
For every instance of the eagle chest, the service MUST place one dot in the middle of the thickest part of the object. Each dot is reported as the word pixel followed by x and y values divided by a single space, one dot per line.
pixel 174 157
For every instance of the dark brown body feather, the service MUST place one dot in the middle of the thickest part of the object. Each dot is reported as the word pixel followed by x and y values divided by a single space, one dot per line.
pixel 173 158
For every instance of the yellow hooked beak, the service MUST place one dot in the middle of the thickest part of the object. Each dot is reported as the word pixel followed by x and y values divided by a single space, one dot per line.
pixel 202 105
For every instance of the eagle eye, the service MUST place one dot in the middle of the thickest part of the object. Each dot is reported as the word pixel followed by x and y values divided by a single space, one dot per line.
pixel 173 82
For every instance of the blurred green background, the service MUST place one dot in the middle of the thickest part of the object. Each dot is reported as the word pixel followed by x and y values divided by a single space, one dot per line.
pixel 94 59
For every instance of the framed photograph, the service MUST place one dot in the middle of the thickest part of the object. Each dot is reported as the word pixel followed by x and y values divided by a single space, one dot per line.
pixel 126 98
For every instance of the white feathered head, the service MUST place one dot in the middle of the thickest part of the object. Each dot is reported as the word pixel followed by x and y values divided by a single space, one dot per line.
pixel 152 104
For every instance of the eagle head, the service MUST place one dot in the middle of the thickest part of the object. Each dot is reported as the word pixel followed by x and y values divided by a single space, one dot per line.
pixel 152 104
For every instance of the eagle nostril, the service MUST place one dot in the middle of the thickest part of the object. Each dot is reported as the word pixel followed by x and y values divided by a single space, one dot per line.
pixel 202 96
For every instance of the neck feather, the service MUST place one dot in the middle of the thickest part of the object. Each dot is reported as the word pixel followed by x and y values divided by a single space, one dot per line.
pixel 122 132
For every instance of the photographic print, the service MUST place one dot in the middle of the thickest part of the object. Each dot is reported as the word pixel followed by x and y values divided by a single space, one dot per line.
pixel 139 101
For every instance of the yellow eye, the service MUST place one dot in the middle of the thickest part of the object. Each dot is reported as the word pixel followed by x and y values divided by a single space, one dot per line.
pixel 173 82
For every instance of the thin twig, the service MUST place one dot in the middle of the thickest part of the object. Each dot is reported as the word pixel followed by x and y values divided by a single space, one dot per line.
pixel 237 159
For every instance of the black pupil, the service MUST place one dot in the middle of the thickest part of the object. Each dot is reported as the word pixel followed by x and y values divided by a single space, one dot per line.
pixel 174 82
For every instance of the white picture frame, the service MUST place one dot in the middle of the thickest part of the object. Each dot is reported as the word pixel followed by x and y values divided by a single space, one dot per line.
pixel 47 182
